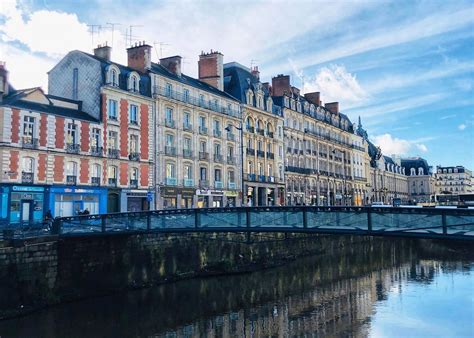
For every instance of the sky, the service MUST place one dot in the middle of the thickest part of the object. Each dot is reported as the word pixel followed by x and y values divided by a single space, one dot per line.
pixel 405 67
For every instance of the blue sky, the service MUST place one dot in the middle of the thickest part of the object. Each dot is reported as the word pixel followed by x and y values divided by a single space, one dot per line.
pixel 406 67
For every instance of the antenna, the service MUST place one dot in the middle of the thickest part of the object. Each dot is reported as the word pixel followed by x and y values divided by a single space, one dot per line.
pixel 131 35
pixel 92 31
pixel 253 62
pixel 161 44
pixel 183 62
pixel 112 27
pixel 302 85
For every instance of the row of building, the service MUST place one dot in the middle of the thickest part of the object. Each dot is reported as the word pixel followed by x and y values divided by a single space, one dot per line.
pixel 109 137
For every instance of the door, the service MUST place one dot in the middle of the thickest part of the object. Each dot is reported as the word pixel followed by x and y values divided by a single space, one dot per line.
pixel 26 211
pixel 77 207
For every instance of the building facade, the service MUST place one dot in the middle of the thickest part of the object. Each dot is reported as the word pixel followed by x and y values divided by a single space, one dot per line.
pixel 454 180
pixel 420 180
pixel 262 128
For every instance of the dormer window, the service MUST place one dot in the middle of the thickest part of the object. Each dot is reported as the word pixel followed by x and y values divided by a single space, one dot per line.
pixel 286 102
pixel 420 171
pixel 134 83
pixel 113 76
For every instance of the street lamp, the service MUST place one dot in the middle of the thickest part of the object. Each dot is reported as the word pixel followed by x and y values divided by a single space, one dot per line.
pixel 241 130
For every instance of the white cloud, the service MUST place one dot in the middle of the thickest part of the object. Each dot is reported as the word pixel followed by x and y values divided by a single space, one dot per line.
pixel 462 126
pixel 336 84
pixel 445 117
pixel 395 146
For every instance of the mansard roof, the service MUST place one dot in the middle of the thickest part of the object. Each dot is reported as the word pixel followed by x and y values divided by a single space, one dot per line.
pixel 415 162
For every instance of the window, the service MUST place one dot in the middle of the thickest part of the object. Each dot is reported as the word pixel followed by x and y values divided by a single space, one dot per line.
pixel 280 172
pixel 134 84
pixel 186 95
pixel 203 173
pixel 259 145
pixel 169 114
pixel 249 144
pixel 230 151
pixel 231 176
pixel 113 140
pixel 28 127
pixel 250 167
pixel 134 175
pixel 112 174
pixel 133 114
pixel 133 143
pixel 203 146
pixel 71 169
pixel 95 170
pixel 95 138
pixel 248 124
pixel 170 170
pixel 188 172
pixel 280 151
pixel 202 122
pixel 169 140
pixel 187 143
pixel 270 170
pixel 201 99
pixel 217 149
pixel 217 126
pixel 260 168
pixel 28 165
pixel 420 171
pixel 71 133
pixel 112 111
pixel 168 89
pixel 217 175
pixel 186 120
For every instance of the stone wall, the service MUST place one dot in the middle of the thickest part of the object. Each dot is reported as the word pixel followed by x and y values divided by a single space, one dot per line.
pixel 34 274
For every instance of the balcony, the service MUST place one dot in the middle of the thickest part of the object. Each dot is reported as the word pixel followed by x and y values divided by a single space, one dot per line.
pixel 295 151
pixel 27 177
pixel 270 134
pixel 270 155
pixel 232 186
pixel 188 182
pixel 218 184
pixel 271 179
pixel 204 184
pixel 218 158
pixel 260 153
pixel 187 126
pixel 231 160
pixel 29 142
pixel 112 182
pixel 95 181
pixel 134 184
pixel 97 151
pixel 250 129
pixel 250 151
pixel 72 148
pixel 169 123
pixel 217 133
pixel 113 153
pixel 171 181
pixel 171 151
pixel 251 177
pixel 134 123
pixel 261 132
pixel 230 137
pixel 187 153
pixel 203 130
pixel 71 180
pixel 315 153
pixel 134 156
pixel 261 178
pixel 203 155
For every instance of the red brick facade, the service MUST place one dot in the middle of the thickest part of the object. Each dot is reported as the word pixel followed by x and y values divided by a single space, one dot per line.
pixel 144 149
pixel 43 130
pixel 42 167
pixel 85 136
pixel 123 128
pixel 123 171
pixel 15 125
pixel 14 163
pixel 144 175
pixel 59 132
pixel 58 168
pixel 84 171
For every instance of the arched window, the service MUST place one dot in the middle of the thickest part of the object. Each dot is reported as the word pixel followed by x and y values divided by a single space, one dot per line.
pixel 420 171
pixel 412 172
pixel 133 83
pixel 249 124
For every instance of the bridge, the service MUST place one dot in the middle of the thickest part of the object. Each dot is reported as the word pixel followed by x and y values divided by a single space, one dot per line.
pixel 441 223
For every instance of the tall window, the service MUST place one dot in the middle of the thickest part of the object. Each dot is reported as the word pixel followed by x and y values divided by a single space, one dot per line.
pixel 186 119
pixel 134 84
pixel 217 148
pixel 187 143
pixel 250 144
pixel 133 143
pixel 170 170
pixel 203 146
pixel 188 172
pixel 71 169
pixel 230 151
pixel 96 170
pixel 201 99
pixel 168 89
pixel 169 114
pixel 113 140
pixel 112 174
pixel 186 95
pixel 260 145
pixel 134 176
pixel 231 176
pixel 71 133
pixel 28 127
pixel 217 175
pixel 202 122
pixel 133 114
pixel 260 169
pixel 217 125
pixel 203 173
pixel 113 78
pixel 250 167
pixel 112 111
pixel 169 140
pixel 270 170
pixel 95 138
pixel 28 165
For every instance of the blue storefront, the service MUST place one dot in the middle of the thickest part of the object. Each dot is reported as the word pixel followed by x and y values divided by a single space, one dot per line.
pixel 20 204
pixel 71 201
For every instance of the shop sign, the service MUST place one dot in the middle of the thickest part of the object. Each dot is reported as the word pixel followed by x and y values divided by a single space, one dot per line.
pixel 75 190
pixel 187 192
pixel 231 193
pixel 32 189
pixel 209 192
pixel 169 192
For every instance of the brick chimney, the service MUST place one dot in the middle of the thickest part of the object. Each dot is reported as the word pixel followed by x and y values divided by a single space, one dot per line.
pixel 139 57
pixel 3 80
pixel 172 64
pixel 281 85
pixel 313 98
pixel 256 72
pixel 103 52
pixel 333 107
pixel 211 69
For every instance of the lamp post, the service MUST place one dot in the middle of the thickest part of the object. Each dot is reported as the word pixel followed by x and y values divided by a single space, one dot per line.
pixel 241 130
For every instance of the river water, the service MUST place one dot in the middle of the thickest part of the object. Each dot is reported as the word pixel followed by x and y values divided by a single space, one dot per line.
pixel 389 289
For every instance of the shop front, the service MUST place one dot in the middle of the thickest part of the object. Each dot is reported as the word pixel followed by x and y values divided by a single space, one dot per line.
pixel 187 196
pixel 169 197
pixel 67 201
pixel 210 198
pixel 21 204
pixel 231 197
pixel 134 200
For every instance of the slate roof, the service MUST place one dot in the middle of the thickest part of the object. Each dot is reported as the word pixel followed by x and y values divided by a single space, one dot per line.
pixel 416 162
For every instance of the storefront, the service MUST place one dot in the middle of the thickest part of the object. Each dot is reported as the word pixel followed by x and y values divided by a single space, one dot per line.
pixel 134 200
pixel 187 196
pixel 210 198
pixel 169 196
pixel 231 198
pixel 21 204
pixel 66 201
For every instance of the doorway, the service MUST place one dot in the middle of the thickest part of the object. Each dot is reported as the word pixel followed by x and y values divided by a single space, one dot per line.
pixel 26 211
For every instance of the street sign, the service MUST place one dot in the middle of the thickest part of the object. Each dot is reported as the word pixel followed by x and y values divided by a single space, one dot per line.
pixel 149 196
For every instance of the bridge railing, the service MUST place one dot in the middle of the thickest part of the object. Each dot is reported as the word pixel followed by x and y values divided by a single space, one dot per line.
pixel 429 222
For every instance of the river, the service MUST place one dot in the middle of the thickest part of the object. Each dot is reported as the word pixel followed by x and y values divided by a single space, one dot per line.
pixel 387 289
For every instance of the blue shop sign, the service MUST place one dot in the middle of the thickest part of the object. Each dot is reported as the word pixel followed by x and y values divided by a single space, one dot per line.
pixel 30 189
pixel 75 191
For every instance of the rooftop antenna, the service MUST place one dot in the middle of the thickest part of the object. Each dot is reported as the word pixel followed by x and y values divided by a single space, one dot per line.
pixel 112 27
pixel 183 62
pixel 161 44
pixel 92 31
pixel 131 35
pixel 253 62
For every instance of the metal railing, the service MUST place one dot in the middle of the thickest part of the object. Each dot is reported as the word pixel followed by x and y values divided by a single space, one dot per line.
pixel 72 148
pixel 29 142
pixel 452 224
pixel 27 178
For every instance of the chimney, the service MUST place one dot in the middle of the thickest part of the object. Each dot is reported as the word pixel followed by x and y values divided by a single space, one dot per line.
pixel 268 88
pixel 211 69
pixel 172 64
pixel 103 52
pixel 3 80
pixel 333 107
pixel 256 73
pixel 295 91
pixel 281 85
pixel 313 98
pixel 139 57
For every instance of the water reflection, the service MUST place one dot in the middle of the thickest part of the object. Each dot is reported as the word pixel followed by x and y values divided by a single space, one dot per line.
pixel 357 293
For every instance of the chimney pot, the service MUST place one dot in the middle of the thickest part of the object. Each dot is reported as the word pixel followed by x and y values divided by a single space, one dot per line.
pixel 139 57
pixel 211 69
pixel 103 52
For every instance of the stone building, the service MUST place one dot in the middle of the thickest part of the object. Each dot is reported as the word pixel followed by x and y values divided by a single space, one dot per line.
pixel 50 156
pixel 321 149
pixel 454 180
pixel 420 181
pixel 119 97
pixel 262 129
